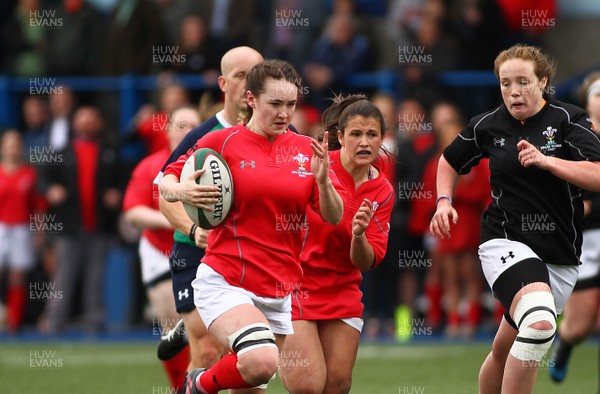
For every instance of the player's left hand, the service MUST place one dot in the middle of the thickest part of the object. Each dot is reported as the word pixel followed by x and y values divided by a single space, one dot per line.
pixel 319 164
pixel 362 218
pixel 201 238
pixel 529 156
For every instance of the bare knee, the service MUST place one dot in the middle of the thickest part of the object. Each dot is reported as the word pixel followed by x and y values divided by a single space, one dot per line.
pixel 305 387
pixel 258 366
pixel 542 325
pixel 302 383
pixel 338 384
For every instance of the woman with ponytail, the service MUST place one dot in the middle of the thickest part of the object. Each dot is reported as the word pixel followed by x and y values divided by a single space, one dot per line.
pixel 327 306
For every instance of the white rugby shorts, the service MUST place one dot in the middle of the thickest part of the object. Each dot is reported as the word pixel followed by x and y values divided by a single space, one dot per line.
pixel 213 296
pixel 155 263
pixel 16 247
pixel 497 255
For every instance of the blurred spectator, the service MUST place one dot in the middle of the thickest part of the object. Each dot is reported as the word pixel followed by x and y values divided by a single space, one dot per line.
pixel 173 12
pixel 135 33
pixel 527 20
pixel 455 264
pixel 480 30
pixel 429 53
pixel 74 49
pixel 36 116
pixel 151 122
pixel 307 120
pixel 387 105
pixel 61 111
pixel 481 33
pixel 23 40
pixel 340 52
pixel 392 293
pixel 141 209
pixel 294 26
pixel 368 7
pixel 85 198
pixel 416 146
pixel 404 18
pixel 208 106
pixel 202 57
pixel 229 21
pixel 19 201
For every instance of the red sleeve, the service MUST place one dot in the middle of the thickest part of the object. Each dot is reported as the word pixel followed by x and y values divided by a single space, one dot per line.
pixel 140 188
pixel 379 229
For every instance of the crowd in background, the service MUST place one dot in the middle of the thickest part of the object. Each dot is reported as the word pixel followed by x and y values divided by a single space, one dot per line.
pixel 422 284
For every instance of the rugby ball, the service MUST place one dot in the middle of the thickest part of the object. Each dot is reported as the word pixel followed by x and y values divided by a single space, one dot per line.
pixel 217 174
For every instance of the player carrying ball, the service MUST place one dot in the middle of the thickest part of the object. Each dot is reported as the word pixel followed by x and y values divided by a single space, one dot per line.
pixel 238 288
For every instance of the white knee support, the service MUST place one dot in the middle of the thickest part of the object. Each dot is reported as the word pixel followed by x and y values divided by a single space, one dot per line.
pixel 532 344
pixel 251 337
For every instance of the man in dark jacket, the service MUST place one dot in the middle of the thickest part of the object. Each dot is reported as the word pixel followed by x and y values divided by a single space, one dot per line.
pixel 84 196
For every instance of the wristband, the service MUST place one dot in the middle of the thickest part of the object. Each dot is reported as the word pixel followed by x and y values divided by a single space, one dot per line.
pixel 358 236
pixel 440 197
pixel 192 234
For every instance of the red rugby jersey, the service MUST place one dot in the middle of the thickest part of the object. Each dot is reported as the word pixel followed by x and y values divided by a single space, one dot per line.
pixel 330 288
pixel 258 245
pixel 18 195
pixel 141 190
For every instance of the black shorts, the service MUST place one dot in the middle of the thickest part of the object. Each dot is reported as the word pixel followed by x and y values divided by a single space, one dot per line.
pixel 184 261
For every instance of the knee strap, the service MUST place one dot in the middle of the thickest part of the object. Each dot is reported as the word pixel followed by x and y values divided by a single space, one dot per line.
pixel 251 337
pixel 531 343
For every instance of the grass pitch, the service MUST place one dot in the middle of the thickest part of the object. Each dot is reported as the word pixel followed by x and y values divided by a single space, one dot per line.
pixel 115 368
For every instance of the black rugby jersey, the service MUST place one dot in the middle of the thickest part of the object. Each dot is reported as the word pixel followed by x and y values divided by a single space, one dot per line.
pixel 530 205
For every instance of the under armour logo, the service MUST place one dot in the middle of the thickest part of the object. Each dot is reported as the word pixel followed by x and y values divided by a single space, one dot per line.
pixel 182 294
pixel 510 255
pixel 243 164
pixel 499 141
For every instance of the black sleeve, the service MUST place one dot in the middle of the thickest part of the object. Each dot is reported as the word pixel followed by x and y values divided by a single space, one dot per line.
pixel 581 140
pixel 464 152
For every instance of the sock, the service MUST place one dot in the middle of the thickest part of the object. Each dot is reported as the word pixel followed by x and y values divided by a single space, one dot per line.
pixel 434 312
pixel 223 375
pixel 563 352
pixel 454 318
pixel 15 304
pixel 474 314
pixel 176 368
